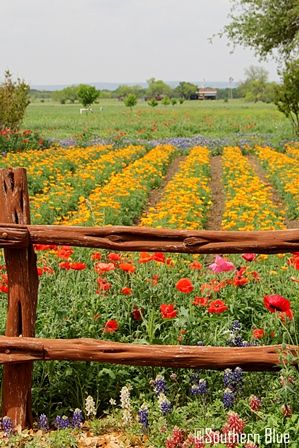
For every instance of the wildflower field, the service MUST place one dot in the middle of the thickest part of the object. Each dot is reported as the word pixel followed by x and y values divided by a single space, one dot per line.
pixel 159 298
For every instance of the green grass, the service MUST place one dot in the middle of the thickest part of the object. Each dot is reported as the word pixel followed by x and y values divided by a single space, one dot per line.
pixel 234 119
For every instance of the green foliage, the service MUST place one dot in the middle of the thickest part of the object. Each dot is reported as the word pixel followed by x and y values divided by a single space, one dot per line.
pixel 21 141
pixel 68 94
pixel 256 86
pixel 124 91
pixel 130 100
pixel 287 94
pixel 14 98
pixel 186 89
pixel 87 94
pixel 165 101
pixel 265 26
pixel 153 102
pixel 157 88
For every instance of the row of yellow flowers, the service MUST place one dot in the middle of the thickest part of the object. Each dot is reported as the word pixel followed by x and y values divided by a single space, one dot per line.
pixel 45 166
pixel 63 192
pixel 248 204
pixel 186 196
pixel 283 172
pixel 122 199
pixel 292 150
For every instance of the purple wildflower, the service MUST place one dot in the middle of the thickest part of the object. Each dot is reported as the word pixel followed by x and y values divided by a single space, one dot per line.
pixel 61 422
pixel 77 418
pixel 143 417
pixel 165 404
pixel 228 398
pixel 43 423
pixel 7 426
pixel 159 384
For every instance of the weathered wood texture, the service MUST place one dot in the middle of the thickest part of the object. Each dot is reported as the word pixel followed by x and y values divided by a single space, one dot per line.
pixel 148 239
pixel 22 295
pixel 249 358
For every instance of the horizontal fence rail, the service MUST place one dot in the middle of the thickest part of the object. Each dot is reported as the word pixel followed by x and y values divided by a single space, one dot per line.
pixel 125 238
pixel 257 358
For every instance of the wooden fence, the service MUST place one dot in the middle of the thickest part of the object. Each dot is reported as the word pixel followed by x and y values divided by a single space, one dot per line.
pixel 19 347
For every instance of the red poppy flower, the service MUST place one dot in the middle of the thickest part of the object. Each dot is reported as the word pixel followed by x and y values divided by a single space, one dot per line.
pixel 137 313
pixel 249 257
pixel 239 280
pixel 114 257
pixel 159 256
pixel 48 270
pixel 200 301
pixel 126 291
pixel 294 261
pixel 169 262
pixel 3 288
pixel 184 285
pixel 78 266
pixel 4 278
pixel 145 257
pixel 258 333
pixel 2 267
pixel 39 271
pixel 96 256
pixel 103 285
pixel 65 252
pixel 195 265
pixel 45 247
pixel 65 265
pixel 276 302
pixel 111 326
pixel 217 306
pixel 168 311
pixel 104 267
pixel 127 267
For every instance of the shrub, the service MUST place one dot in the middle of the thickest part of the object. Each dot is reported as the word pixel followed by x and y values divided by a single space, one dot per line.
pixel 12 140
pixel 14 98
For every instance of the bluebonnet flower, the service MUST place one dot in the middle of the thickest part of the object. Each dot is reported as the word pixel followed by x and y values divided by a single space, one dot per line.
pixel 159 384
pixel 61 422
pixel 143 416
pixel 165 404
pixel 43 423
pixel 228 398
pixel 7 426
pixel 201 388
pixel 233 378
pixel 77 418
pixel 236 326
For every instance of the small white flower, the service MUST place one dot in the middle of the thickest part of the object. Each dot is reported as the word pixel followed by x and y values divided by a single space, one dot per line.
pixel 112 402
pixel 90 406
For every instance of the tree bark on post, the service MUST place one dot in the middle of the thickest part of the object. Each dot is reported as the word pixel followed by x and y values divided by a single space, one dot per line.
pixel 22 296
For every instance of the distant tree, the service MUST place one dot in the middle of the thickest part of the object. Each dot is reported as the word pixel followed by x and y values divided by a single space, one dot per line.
pixel 157 88
pixel 130 101
pixel 267 26
pixel 87 94
pixel 124 90
pixel 173 101
pixel 256 86
pixel 186 89
pixel 287 94
pixel 14 98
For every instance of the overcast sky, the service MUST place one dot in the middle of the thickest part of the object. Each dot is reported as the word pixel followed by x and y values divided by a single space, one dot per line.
pixel 73 41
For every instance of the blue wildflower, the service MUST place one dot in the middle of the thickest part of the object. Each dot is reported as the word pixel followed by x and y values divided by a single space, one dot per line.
pixel 43 423
pixel 228 398
pixel 77 418
pixel 7 426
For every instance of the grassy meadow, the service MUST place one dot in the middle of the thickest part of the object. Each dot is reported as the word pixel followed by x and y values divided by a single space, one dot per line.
pixel 110 119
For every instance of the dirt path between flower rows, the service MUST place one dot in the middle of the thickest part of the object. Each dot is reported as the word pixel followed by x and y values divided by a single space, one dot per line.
pixel 277 200
pixel 156 194
pixel 217 195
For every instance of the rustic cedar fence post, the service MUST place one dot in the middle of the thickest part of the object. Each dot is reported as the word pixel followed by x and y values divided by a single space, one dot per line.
pixel 22 296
